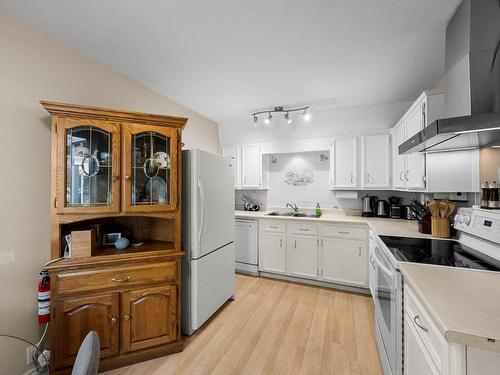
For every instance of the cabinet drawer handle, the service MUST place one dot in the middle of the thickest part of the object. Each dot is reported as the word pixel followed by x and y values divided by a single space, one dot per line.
pixel 273 226
pixel 281 242
pixel 406 175
pixel 118 280
pixel 116 178
pixel 415 319
pixel 113 319
pixel 343 232
pixel 401 176
pixel 359 250
pixel 304 229
pixel 126 317
pixel 295 246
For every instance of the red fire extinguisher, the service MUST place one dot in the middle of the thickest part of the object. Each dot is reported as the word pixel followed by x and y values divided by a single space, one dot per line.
pixel 43 297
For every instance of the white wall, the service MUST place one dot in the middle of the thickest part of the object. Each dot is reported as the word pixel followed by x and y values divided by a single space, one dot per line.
pixel 326 122
pixel 35 67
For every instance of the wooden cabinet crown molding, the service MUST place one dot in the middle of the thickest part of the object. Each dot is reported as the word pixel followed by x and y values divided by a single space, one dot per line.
pixel 108 114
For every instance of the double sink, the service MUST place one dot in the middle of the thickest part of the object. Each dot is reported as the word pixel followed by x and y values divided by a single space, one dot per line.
pixel 292 214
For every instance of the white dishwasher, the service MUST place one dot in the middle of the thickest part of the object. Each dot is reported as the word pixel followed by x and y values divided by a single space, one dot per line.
pixel 246 245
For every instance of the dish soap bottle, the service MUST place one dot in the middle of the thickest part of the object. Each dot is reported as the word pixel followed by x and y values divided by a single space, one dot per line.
pixel 318 210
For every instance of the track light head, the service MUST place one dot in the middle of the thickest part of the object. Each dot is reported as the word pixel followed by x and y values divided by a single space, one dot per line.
pixel 255 119
pixel 307 116
pixel 288 119
pixel 267 121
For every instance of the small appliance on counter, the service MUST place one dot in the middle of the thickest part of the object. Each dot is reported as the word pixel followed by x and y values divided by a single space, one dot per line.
pixel 248 204
pixel 407 213
pixel 395 207
pixel 382 208
pixel 368 206
pixel 490 197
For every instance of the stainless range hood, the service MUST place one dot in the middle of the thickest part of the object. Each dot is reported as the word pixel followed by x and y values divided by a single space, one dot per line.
pixel 472 83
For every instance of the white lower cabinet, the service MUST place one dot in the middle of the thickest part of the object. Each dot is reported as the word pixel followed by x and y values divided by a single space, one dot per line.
pixel 302 256
pixel 272 252
pixel 344 261
pixel 416 360
pixel 426 351
pixel 326 252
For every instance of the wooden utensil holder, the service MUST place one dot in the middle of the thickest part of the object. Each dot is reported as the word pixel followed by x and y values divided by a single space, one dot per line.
pixel 440 227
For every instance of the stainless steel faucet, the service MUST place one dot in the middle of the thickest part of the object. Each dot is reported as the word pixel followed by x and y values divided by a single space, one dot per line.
pixel 294 207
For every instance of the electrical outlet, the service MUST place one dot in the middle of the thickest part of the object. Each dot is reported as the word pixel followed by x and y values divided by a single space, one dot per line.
pixel 30 354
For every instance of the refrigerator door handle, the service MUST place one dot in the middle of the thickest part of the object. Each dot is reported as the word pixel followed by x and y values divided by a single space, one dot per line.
pixel 202 195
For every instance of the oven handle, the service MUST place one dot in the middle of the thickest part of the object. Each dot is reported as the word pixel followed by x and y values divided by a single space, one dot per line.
pixel 386 270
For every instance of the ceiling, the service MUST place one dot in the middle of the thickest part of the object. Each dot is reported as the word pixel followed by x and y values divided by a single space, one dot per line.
pixel 227 58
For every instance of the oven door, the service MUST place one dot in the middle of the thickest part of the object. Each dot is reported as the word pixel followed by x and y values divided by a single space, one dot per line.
pixel 388 309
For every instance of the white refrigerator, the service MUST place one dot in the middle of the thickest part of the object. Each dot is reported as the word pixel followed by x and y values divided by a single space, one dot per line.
pixel 207 236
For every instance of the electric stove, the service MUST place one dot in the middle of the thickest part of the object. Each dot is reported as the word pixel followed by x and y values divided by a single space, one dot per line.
pixel 438 252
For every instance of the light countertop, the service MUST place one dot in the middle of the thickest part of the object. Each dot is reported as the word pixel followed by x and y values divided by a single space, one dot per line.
pixel 464 304
pixel 381 226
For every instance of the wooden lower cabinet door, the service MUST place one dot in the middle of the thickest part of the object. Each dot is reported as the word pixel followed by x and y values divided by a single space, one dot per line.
pixel 75 317
pixel 149 317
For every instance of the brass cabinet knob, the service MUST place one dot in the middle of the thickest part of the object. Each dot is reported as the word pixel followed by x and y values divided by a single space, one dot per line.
pixel 113 319
pixel 127 317
pixel 116 178
pixel 127 178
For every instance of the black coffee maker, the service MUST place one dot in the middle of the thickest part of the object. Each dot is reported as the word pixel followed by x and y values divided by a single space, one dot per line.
pixel 395 207
pixel 368 206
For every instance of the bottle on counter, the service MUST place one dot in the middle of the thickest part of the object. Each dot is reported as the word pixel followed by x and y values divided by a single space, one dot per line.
pixel 318 210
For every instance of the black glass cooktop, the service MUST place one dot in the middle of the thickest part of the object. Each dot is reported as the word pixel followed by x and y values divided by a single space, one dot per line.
pixel 438 252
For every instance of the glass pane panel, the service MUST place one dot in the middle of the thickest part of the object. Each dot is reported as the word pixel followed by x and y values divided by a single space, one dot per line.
pixel 150 169
pixel 88 167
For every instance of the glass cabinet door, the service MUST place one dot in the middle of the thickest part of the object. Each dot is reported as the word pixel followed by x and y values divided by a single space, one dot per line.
pixel 89 169
pixel 151 168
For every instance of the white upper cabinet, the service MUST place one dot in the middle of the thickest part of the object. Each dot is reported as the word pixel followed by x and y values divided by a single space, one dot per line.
pixel 251 166
pixel 376 161
pixel 414 174
pixel 234 152
pixel 249 169
pixel 344 163
pixel 399 161
pixel 410 171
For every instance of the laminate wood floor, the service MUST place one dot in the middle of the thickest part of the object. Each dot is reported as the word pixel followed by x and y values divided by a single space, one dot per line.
pixel 278 327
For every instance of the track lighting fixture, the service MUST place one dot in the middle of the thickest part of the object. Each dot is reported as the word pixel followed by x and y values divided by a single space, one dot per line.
pixel 287 117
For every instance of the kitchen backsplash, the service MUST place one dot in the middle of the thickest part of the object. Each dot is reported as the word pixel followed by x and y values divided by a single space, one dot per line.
pixel 303 179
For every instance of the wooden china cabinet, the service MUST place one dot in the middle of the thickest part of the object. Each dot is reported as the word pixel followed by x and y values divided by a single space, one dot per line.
pixel 115 173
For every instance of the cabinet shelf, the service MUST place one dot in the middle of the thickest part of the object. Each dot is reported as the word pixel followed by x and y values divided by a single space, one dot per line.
pixel 147 246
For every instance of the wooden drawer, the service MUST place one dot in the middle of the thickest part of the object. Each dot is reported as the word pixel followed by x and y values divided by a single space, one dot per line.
pixel 303 229
pixel 344 231
pixel 104 278
pixel 272 226
pixel 429 334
